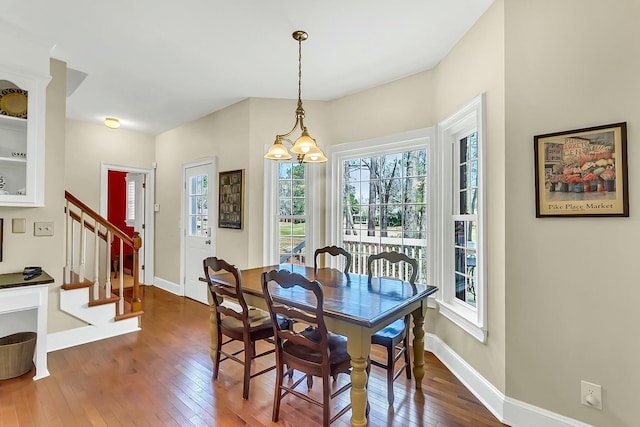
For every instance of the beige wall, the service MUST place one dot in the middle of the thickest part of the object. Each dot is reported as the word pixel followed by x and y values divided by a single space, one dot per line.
pixel 474 66
pixel 89 145
pixel 571 300
pixel 21 250
pixel 560 291
pixel 224 135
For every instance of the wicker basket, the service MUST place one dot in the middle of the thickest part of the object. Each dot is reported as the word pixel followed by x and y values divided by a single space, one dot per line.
pixel 16 354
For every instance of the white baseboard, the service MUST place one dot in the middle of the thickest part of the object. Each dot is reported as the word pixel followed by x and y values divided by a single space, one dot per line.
pixel 90 333
pixel 168 286
pixel 509 411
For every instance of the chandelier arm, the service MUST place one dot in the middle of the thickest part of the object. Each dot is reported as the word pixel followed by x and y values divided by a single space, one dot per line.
pixel 285 135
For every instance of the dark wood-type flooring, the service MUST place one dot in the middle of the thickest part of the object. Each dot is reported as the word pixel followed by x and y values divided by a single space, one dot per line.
pixel 161 376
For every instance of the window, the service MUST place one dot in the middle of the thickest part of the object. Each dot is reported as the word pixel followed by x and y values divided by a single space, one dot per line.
pixel 130 214
pixel 291 215
pixel 463 293
pixel 290 232
pixel 408 193
pixel 198 205
pixel 382 188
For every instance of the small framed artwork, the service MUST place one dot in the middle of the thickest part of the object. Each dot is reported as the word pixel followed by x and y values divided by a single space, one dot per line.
pixel 582 172
pixel 231 199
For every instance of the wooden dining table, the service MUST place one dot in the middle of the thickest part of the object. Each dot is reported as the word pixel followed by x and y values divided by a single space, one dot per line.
pixel 354 307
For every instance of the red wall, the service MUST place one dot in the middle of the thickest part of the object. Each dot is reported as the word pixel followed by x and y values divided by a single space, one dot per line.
pixel 117 206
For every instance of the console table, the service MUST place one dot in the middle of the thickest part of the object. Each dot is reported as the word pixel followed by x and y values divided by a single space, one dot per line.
pixel 17 296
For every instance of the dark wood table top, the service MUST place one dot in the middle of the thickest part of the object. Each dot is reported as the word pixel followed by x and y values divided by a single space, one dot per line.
pixel 16 280
pixel 349 297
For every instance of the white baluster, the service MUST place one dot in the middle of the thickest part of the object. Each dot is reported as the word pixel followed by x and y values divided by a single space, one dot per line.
pixel 121 266
pixel 83 238
pixel 107 285
pixel 96 260
pixel 67 267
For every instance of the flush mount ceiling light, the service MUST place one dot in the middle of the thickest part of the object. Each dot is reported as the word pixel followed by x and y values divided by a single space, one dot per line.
pixel 112 122
pixel 305 147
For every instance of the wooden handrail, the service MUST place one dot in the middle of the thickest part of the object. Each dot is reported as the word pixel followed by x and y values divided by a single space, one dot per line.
pixel 134 242
pixel 97 217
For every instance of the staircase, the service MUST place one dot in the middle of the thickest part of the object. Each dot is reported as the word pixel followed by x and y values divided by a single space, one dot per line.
pixel 88 292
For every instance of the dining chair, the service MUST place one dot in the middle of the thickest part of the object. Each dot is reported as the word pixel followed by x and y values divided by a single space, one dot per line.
pixel 237 321
pixel 313 351
pixel 397 332
pixel 334 251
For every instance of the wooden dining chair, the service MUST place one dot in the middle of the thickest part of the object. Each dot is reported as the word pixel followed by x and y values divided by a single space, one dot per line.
pixel 397 332
pixel 237 321
pixel 313 351
pixel 334 251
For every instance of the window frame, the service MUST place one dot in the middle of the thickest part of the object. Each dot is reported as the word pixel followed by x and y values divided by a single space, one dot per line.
pixel 271 253
pixel 461 124
pixel 337 154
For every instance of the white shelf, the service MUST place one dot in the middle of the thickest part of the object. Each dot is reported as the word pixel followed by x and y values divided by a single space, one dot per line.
pixel 13 159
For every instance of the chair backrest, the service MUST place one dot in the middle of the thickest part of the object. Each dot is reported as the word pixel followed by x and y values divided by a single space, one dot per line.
pixel 393 258
pixel 303 304
pixel 334 251
pixel 219 290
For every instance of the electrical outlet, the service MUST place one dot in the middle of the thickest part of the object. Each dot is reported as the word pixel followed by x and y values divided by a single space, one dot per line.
pixel 591 395
pixel 43 229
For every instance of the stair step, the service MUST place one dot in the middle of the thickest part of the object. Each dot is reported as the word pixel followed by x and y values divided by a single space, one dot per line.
pixel 129 315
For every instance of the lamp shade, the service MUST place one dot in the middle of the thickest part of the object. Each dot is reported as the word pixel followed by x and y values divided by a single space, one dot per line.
pixel 304 144
pixel 315 155
pixel 278 151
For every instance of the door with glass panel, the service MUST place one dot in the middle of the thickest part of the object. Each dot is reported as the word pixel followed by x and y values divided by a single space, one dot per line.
pixel 198 222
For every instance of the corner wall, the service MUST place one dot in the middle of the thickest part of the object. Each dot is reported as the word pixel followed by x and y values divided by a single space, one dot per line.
pixel 572 294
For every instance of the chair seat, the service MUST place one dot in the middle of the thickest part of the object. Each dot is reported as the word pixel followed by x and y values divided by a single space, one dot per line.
pixel 258 319
pixel 337 348
pixel 389 333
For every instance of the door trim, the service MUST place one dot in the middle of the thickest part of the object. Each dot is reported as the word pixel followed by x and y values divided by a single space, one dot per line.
pixel 213 215
pixel 149 236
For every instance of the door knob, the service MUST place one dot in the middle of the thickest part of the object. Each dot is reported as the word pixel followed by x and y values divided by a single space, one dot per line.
pixel 207 242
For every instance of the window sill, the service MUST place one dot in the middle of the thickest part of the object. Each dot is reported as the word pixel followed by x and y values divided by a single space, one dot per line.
pixel 454 314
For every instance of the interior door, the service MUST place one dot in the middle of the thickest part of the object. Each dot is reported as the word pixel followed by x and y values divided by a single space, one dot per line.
pixel 199 239
pixel 136 196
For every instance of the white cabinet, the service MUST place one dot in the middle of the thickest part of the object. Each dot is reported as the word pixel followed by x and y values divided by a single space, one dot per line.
pixel 22 138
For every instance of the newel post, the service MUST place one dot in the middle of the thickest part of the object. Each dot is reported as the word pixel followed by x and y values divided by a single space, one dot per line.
pixel 136 300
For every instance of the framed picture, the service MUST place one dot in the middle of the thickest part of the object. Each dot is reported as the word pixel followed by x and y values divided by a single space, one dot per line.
pixel 582 172
pixel 231 199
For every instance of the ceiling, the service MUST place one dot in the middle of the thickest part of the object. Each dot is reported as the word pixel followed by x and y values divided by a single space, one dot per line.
pixel 157 64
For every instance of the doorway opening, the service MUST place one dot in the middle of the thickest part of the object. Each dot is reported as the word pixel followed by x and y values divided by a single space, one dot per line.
pixel 127 200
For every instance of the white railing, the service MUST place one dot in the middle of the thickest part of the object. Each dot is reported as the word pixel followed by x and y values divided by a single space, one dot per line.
pixel 361 247
pixel 83 224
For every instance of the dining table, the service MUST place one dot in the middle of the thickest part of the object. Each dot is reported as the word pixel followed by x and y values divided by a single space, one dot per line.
pixel 355 306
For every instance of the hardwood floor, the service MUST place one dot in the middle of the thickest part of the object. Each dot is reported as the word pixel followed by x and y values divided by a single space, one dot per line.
pixel 161 376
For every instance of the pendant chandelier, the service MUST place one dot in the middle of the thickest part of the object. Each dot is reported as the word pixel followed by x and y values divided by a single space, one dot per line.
pixel 304 147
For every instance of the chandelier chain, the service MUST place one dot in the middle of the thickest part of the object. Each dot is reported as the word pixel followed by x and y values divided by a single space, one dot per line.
pixel 299 69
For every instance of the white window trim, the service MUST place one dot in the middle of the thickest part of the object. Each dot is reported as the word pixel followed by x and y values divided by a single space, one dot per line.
pixel 337 154
pixel 312 190
pixel 473 320
pixel 135 179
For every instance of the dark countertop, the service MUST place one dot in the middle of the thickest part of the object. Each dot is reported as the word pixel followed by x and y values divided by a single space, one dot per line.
pixel 16 280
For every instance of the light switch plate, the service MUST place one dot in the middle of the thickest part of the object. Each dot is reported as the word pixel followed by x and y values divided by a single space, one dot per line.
pixel 43 228
pixel 18 225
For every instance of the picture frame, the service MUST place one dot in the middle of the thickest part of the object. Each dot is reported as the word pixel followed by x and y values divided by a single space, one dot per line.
pixel 231 199
pixel 582 172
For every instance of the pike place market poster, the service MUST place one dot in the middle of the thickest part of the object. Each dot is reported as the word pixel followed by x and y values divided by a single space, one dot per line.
pixel 582 172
